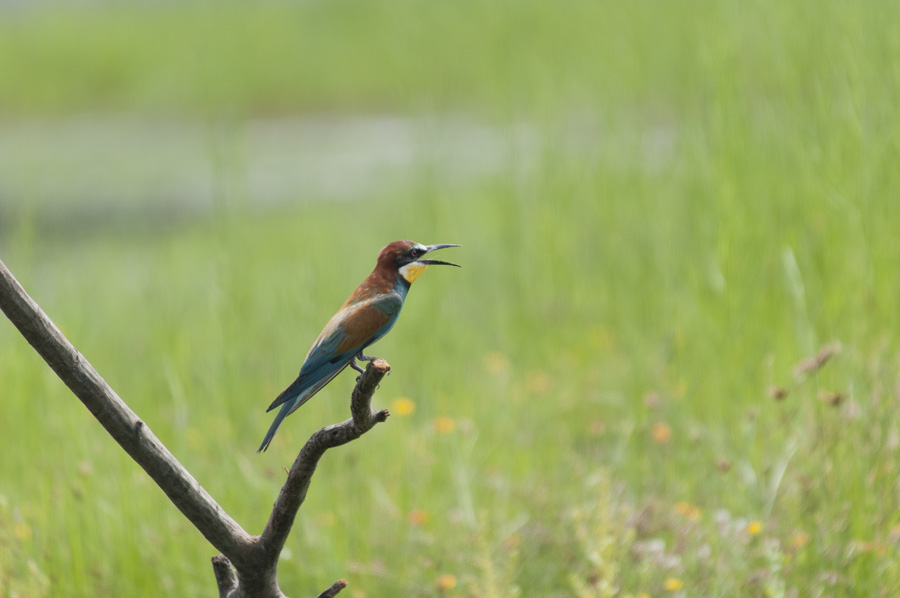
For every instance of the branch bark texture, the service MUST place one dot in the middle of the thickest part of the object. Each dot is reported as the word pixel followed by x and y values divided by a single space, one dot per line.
pixel 248 564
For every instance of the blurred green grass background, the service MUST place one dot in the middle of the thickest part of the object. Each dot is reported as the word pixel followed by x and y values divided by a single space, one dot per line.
pixel 689 200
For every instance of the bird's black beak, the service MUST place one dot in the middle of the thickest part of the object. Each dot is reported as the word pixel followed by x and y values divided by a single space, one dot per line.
pixel 431 248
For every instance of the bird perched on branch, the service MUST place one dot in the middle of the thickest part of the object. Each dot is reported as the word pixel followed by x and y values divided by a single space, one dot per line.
pixel 369 313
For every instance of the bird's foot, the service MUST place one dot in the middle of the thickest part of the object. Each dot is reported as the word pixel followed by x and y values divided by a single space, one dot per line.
pixel 362 357
pixel 359 356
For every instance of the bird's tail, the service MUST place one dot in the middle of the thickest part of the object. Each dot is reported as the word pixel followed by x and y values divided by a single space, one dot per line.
pixel 282 413
pixel 287 408
pixel 292 398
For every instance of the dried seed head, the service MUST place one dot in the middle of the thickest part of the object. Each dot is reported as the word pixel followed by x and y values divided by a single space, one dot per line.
pixel 832 398
pixel 777 392
pixel 814 364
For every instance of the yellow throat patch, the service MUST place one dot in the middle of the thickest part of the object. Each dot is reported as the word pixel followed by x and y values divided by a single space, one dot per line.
pixel 412 271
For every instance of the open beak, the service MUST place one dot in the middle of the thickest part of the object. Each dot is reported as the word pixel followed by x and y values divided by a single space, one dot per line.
pixel 431 248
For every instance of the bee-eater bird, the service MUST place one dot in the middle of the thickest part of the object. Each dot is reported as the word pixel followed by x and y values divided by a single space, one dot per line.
pixel 367 315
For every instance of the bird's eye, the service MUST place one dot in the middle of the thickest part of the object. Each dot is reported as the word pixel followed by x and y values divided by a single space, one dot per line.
pixel 414 253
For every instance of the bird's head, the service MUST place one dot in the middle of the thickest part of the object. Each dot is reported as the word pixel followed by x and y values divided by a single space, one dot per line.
pixel 406 257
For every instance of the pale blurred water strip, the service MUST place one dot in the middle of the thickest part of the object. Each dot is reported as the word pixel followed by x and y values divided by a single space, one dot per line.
pixel 101 164
pixel 95 170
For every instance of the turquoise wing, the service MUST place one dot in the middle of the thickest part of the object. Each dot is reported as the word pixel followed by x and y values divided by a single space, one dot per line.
pixel 350 331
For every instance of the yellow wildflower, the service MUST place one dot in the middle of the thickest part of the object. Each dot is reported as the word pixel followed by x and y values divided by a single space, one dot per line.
pixel 673 584
pixel 661 432
pixel 687 510
pixel 403 406
pixel 418 517
pixel 444 425
pixel 447 581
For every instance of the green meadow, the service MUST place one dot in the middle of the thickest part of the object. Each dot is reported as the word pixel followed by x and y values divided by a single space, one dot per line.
pixel 668 367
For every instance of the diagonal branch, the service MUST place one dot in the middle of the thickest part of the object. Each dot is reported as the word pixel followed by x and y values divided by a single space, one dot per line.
pixel 254 558
pixel 121 422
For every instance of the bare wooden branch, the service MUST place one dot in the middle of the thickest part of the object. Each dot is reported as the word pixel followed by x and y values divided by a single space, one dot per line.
pixel 247 567
pixel 335 588
pixel 257 571
pixel 121 422
pixel 225 576
pixel 293 493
